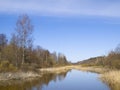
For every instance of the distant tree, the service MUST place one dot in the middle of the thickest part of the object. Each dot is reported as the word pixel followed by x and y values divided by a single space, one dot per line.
pixel 24 30
pixel 3 43
pixel 62 59
pixel 54 54
pixel 20 53
pixel 14 43
pixel 117 49
pixel 54 58
pixel 46 57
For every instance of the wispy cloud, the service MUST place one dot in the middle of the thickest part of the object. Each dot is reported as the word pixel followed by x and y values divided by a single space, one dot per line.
pixel 62 7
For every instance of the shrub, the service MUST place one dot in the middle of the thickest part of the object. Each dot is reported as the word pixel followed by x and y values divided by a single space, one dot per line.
pixel 28 67
pixel 6 66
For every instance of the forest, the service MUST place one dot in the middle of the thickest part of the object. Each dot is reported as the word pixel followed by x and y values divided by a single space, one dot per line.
pixel 19 53
pixel 112 60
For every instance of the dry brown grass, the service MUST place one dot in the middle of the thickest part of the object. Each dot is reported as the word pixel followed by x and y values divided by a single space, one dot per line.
pixel 18 76
pixel 78 67
pixel 91 69
pixel 56 69
pixel 112 78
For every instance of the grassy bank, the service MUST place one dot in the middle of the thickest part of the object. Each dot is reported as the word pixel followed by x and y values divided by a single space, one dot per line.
pixel 23 75
pixel 18 75
pixel 110 77
pixel 91 69
pixel 56 70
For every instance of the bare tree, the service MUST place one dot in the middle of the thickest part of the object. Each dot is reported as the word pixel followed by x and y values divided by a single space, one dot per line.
pixel 14 45
pixel 24 30
pixel 3 43
pixel 117 49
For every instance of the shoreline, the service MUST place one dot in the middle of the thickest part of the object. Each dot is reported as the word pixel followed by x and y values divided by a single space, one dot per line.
pixel 110 77
pixel 20 75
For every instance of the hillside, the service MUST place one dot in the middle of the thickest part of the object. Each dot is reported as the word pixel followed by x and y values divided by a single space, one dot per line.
pixel 112 60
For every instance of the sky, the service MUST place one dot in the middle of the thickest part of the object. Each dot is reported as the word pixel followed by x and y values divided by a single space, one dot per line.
pixel 80 29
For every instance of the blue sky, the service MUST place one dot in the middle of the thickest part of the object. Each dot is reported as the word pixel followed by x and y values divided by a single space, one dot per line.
pixel 78 28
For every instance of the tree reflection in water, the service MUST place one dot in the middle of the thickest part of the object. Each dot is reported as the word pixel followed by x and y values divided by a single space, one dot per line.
pixel 31 84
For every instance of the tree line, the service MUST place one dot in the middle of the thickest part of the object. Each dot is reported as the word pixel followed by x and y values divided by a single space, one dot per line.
pixel 20 53
pixel 112 60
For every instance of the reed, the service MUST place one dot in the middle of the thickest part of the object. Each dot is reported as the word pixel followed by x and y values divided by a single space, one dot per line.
pixel 112 78
pixel 91 69
pixel 108 76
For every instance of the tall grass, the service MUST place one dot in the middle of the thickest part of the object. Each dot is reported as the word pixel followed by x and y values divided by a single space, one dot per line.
pixel 112 78
pixel 92 69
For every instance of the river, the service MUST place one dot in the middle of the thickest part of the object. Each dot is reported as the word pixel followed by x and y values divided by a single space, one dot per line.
pixel 70 80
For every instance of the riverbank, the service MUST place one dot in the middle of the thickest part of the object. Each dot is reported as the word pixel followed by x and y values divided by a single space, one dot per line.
pixel 18 75
pixel 99 70
pixel 112 78
pixel 108 76
pixel 56 70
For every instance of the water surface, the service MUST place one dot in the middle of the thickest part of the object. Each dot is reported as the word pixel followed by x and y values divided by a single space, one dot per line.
pixel 71 80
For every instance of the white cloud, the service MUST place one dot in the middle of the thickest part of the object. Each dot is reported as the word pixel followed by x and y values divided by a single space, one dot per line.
pixel 62 7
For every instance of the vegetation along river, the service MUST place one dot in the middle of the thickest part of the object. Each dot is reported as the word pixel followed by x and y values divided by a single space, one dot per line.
pixel 71 80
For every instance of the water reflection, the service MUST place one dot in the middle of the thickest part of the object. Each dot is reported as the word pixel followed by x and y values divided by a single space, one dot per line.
pixel 31 84
pixel 74 80
pixel 77 80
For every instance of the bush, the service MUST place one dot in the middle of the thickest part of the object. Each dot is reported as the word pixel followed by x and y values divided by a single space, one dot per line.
pixel 28 67
pixel 5 66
